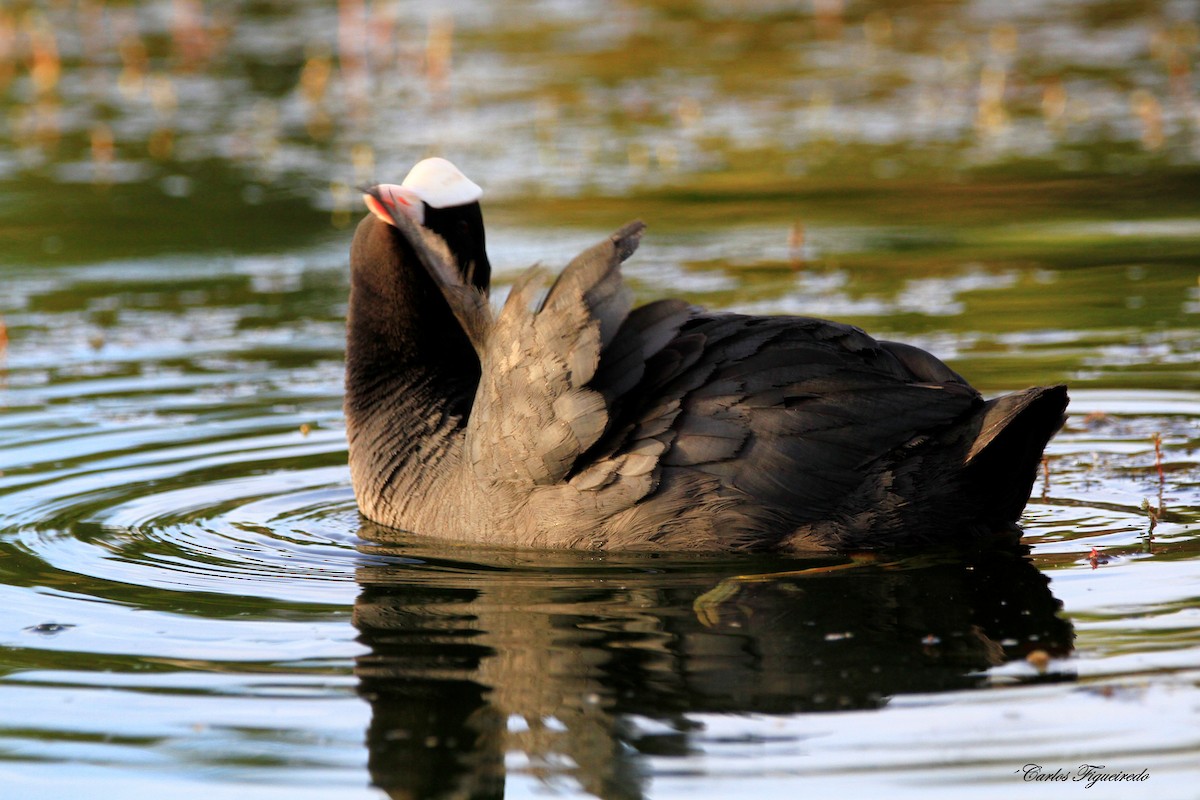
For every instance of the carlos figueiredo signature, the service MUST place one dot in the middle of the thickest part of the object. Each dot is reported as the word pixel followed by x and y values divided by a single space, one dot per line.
pixel 1088 774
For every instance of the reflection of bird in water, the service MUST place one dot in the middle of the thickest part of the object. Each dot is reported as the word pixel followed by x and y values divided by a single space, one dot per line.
pixel 573 420
pixel 549 659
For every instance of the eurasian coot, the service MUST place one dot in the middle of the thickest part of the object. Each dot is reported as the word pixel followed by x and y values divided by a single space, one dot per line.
pixel 571 419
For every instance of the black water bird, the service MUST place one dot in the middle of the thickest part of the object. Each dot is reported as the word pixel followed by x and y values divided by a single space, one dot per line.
pixel 571 419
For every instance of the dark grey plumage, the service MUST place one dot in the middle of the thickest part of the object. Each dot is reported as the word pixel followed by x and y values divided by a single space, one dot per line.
pixel 577 421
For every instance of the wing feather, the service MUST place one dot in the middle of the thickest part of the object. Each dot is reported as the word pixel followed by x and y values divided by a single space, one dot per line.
pixel 536 411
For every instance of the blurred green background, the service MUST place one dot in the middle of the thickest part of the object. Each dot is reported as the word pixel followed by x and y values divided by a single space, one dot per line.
pixel 914 167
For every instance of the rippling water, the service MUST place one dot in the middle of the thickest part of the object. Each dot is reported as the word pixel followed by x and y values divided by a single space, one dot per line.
pixel 193 605
pixel 192 599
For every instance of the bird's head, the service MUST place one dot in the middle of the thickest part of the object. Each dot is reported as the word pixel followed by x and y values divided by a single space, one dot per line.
pixel 437 195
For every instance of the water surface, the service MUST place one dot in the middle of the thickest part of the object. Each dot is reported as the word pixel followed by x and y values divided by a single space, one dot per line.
pixel 195 608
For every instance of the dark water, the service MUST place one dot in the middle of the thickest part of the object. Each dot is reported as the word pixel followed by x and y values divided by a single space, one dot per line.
pixel 194 607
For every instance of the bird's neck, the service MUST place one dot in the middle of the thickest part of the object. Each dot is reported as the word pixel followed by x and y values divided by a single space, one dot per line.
pixel 405 351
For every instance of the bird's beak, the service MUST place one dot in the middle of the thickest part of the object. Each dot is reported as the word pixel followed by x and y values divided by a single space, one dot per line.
pixel 387 199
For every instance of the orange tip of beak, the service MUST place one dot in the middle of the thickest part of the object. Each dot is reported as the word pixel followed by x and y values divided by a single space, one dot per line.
pixel 386 200
pixel 376 208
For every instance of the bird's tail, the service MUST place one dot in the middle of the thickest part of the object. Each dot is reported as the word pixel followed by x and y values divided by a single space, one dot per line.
pixel 1002 462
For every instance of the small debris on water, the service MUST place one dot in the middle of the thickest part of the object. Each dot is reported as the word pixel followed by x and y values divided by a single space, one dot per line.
pixel 1153 513
pixel 1158 457
pixel 1039 659
pixel 796 245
